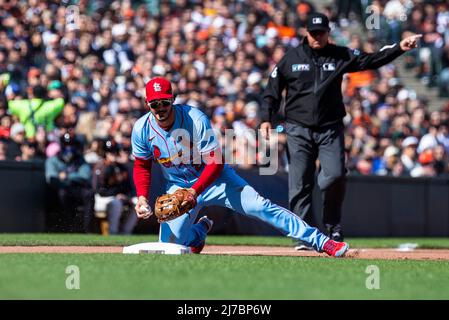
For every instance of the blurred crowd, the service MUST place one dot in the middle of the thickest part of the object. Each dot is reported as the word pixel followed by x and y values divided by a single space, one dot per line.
pixel 78 70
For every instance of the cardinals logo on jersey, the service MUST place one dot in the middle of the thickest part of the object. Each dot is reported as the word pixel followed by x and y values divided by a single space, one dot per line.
pixel 166 162
pixel 156 152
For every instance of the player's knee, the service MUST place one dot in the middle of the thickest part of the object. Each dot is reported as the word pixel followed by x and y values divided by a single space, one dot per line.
pixel 166 234
pixel 171 238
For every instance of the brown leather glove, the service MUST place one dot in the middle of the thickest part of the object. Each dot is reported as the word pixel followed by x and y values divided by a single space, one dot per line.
pixel 171 206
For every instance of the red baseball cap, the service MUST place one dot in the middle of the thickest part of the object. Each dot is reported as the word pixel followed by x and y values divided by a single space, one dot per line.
pixel 158 88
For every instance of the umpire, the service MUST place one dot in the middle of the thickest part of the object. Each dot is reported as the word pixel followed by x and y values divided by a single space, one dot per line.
pixel 312 74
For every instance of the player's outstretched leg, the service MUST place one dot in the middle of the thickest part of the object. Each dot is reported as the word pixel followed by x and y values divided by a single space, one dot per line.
pixel 251 204
pixel 241 197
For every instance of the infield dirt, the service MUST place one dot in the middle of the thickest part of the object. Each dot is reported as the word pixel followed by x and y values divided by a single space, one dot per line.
pixel 387 254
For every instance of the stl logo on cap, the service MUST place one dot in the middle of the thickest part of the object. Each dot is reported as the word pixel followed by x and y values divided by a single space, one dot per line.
pixel 158 88
pixel 317 20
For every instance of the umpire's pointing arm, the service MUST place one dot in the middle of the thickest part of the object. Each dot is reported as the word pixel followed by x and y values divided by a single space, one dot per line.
pixel 312 74
pixel 364 61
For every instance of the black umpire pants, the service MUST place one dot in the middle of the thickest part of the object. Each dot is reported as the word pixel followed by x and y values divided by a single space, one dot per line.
pixel 305 146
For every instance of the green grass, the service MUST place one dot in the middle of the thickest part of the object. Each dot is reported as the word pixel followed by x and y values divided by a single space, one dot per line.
pixel 98 240
pixel 116 276
pixel 58 239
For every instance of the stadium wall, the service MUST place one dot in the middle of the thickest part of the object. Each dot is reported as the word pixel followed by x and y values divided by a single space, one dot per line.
pixel 374 206
pixel 22 196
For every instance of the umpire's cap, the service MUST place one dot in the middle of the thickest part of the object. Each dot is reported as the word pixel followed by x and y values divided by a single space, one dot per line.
pixel 317 21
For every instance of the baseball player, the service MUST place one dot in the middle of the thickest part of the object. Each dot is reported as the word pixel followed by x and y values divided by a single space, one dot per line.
pixel 196 164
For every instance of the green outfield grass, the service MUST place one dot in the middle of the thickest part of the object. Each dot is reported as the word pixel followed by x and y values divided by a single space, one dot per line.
pixel 116 276
pixel 25 239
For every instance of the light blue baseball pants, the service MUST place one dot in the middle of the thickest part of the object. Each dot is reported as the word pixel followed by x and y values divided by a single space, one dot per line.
pixel 233 192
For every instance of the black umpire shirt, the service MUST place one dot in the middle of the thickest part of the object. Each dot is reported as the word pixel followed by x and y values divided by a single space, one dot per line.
pixel 313 81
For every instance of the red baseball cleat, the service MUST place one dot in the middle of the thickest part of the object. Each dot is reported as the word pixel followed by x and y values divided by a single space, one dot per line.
pixel 335 249
pixel 197 250
pixel 208 223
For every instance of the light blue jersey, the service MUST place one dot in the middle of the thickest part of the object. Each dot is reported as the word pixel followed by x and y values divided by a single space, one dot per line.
pixel 179 151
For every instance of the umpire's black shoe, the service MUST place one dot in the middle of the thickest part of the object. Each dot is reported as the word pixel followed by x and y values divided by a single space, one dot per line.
pixel 337 236
pixel 335 233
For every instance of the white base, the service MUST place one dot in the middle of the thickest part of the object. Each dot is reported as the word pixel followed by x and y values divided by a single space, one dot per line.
pixel 157 247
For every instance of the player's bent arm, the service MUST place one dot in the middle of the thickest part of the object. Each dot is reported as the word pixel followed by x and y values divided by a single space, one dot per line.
pixel 212 170
pixel 210 150
pixel 142 178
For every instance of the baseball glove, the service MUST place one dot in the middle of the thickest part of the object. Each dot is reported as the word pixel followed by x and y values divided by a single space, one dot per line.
pixel 171 206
